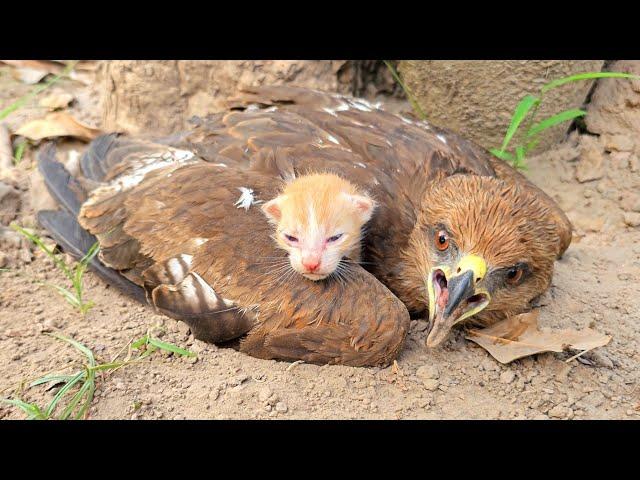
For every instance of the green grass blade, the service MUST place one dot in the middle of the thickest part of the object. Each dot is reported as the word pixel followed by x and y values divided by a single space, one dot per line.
pixel 18 154
pixel 140 342
pixel 75 400
pixel 31 409
pixel 87 403
pixel 519 161
pixel 85 307
pixel 68 296
pixel 506 156
pixel 554 120
pixel 412 99
pixel 93 251
pixel 4 113
pixel 50 253
pixel 519 114
pixel 63 391
pixel 55 379
pixel 109 366
pixel 170 347
pixel 585 76
pixel 82 348
pixel 533 144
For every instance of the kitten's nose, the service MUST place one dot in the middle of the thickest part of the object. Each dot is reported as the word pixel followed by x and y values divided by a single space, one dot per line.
pixel 311 264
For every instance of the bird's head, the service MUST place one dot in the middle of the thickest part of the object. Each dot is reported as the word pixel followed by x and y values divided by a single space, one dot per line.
pixel 480 247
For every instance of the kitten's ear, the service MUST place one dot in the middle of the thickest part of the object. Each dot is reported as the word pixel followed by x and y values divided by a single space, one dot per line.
pixel 272 208
pixel 364 205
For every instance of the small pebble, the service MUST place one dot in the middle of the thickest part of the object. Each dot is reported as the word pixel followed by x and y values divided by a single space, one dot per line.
pixel 431 384
pixel 428 372
pixel 507 376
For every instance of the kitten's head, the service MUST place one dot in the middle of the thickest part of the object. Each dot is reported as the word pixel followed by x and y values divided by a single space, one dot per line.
pixel 319 218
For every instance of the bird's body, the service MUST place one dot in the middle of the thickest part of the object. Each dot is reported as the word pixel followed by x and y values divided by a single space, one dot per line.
pixel 167 217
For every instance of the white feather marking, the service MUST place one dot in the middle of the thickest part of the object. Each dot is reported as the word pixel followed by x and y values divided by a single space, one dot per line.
pixel 330 111
pixel 220 165
pixel 362 105
pixel 210 295
pixel 360 164
pixel 442 139
pixel 333 139
pixel 176 269
pixel 149 164
pixel 246 198
pixel 182 155
pixel 406 120
pixel 199 241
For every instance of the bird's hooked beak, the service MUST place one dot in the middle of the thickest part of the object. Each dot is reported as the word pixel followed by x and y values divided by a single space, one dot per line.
pixel 454 297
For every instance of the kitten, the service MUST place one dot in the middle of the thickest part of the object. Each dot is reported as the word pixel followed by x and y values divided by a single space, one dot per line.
pixel 319 219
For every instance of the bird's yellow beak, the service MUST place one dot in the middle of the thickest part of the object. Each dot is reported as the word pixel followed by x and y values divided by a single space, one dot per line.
pixel 454 295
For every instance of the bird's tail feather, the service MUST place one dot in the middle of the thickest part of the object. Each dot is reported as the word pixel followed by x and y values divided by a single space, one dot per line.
pixel 76 241
pixel 64 227
pixel 65 189
pixel 93 162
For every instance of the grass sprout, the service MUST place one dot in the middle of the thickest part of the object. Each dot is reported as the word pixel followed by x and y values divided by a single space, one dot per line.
pixel 4 113
pixel 527 109
pixel 74 274
pixel 19 152
pixel 75 395
pixel 407 91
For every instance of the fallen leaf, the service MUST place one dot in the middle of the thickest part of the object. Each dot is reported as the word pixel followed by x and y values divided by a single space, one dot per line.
pixel 29 76
pixel 57 124
pixel 56 100
pixel 519 336
pixel 48 66
pixel 56 67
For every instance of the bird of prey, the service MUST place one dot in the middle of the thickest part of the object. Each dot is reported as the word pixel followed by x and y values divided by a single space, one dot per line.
pixel 458 234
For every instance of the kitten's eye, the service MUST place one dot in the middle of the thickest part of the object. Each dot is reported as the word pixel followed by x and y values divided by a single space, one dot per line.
pixel 514 275
pixel 442 240
pixel 290 238
pixel 335 238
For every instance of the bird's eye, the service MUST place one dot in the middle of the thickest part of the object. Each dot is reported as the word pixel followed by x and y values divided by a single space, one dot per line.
pixel 290 238
pixel 335 238
pixel 514 275
pixel 442 240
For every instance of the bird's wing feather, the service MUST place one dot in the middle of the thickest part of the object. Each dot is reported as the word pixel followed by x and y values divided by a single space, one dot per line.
pixel 178 233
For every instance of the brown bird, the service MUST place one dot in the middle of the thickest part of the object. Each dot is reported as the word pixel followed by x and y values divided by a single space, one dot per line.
pixel 457 233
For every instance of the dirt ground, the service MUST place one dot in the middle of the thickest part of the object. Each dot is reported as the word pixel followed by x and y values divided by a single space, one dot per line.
pixel 597 284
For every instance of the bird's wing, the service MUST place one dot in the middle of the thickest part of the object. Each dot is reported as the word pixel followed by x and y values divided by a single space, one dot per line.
pixel 171 223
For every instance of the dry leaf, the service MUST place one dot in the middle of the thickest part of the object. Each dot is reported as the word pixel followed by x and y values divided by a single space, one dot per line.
pixel 56 100
pixel 58 124
pixel 55 67
pixel 47 66
pixel 519 336
pixel 29 76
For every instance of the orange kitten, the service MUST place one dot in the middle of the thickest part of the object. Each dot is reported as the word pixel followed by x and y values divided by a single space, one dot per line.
pixel 319 218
